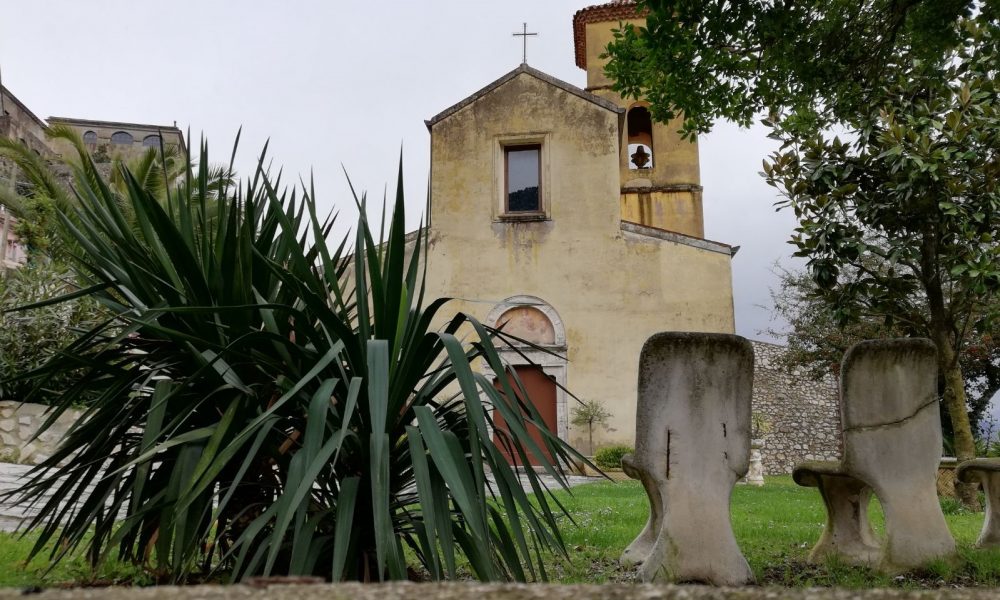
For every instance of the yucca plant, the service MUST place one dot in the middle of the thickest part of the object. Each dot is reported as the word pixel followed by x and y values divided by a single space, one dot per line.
pixel 265 402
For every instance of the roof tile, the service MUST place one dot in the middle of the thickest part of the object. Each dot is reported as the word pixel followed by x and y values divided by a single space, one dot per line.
pixel 599 13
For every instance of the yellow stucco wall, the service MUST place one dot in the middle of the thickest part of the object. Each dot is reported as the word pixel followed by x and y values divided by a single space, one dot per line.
pixel 673 211
pixel 612 289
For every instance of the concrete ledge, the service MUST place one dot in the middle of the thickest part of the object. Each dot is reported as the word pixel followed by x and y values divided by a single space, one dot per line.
pixel 457 591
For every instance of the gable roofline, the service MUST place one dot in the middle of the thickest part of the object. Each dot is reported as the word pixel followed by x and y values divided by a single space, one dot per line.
pixel 10 96
pixel 524 68
pixel 113 124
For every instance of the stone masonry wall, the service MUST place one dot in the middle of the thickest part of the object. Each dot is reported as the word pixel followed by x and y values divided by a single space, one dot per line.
pixel 803 414
pixel 19 422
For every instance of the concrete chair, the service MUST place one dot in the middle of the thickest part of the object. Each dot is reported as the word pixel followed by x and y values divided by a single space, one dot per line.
pixel 692 445
pixel 848 534
pixel 892 445
pixel 987 472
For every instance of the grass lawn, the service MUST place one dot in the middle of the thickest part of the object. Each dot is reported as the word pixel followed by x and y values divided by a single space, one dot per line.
pixel 776 525
pixel 75 571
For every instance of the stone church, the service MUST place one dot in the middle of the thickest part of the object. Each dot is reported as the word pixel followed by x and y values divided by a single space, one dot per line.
pixel 574 218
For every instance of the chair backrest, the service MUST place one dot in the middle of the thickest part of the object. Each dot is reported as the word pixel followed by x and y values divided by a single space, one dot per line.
pixel 889 409
pixel 693 413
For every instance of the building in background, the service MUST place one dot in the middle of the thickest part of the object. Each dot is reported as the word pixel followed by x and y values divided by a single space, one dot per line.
pixel 106 140
pixel 571 217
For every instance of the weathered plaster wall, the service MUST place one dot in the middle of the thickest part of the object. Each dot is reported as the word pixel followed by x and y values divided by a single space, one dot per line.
pixel 17 122
pixel 804 415
pixel 611 289
pixel 19 422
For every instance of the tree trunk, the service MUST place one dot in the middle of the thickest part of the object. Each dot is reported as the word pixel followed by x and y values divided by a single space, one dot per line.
pixel 958 412
pixel 941 334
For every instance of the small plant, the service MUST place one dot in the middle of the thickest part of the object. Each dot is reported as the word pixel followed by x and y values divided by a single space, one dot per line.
pixel 589 414
pixel 610 457
pixel 759 425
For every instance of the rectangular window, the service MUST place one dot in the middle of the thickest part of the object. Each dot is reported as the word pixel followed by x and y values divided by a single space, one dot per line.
pixel 523 178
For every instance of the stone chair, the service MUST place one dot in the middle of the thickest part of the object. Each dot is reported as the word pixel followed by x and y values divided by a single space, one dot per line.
pixel 892 441
pixel 692 445
pixel 987 472
pixel 848 534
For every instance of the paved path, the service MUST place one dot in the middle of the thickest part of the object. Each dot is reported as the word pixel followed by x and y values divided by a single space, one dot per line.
pixel 480 591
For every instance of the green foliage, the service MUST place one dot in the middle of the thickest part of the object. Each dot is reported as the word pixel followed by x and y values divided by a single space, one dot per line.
pixel 590 413
pixel 817 340
pixel 759 425
pixel 265 402
pixel 610 457
pixel 818 59
pixel 155 171
pixel 30 338
pixel 36 225
pixel 907 207
pixel 775 526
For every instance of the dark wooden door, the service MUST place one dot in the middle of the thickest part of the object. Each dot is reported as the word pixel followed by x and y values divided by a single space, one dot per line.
pixel 541 389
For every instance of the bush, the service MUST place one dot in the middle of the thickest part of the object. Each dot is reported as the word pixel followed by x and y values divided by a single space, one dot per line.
pixel 610 457
pixel 275 402
pixel 30 338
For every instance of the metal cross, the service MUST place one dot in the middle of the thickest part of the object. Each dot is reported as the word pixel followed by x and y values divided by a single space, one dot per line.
pixel 524 40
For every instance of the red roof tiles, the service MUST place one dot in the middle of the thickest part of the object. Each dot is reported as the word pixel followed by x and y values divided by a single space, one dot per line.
pixel 601 13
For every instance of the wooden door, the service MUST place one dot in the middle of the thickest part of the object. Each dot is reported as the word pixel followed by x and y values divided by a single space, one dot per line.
pixel 541 389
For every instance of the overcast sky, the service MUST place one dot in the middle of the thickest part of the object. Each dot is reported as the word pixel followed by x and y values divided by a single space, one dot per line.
pixel 343 83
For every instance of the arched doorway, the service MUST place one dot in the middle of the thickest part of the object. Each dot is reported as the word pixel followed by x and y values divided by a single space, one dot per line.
pixel 541 372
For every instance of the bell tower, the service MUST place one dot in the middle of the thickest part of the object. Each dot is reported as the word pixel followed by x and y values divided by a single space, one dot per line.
pixel 659 172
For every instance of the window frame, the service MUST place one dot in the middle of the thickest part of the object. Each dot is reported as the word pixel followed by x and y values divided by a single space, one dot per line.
pixel 507 149
pixel 505 143
pixel 115 142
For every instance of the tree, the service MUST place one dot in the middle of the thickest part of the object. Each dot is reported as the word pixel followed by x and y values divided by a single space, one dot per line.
pixel 816 341
pixel 590 413
pixel 820 60
pixel 909 203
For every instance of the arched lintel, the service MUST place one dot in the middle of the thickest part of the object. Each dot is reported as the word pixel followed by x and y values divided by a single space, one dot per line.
pixel 552 360
pixel 537 303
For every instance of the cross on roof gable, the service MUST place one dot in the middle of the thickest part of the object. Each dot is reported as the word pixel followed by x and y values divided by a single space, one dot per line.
pixel 566 87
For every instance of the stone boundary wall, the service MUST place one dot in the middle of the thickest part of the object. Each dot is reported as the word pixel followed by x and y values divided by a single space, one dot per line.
pixel 19 422
pixel 275 589
pixel 804 414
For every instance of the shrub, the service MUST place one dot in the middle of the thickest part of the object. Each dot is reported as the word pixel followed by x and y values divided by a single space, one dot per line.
pixel 269 403
pixel 610 457
pixel 29 338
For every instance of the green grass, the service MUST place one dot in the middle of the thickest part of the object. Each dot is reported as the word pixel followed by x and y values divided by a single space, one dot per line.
pixel 775 525
pixel 74 571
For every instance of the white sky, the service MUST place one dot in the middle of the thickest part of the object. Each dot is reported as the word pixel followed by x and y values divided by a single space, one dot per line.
pixel 343 83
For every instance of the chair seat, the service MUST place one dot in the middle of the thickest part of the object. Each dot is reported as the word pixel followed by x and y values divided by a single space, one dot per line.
pixel 967 471
pixel 807 473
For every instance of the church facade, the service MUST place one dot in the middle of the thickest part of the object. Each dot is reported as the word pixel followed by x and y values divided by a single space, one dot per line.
pixel 572 219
